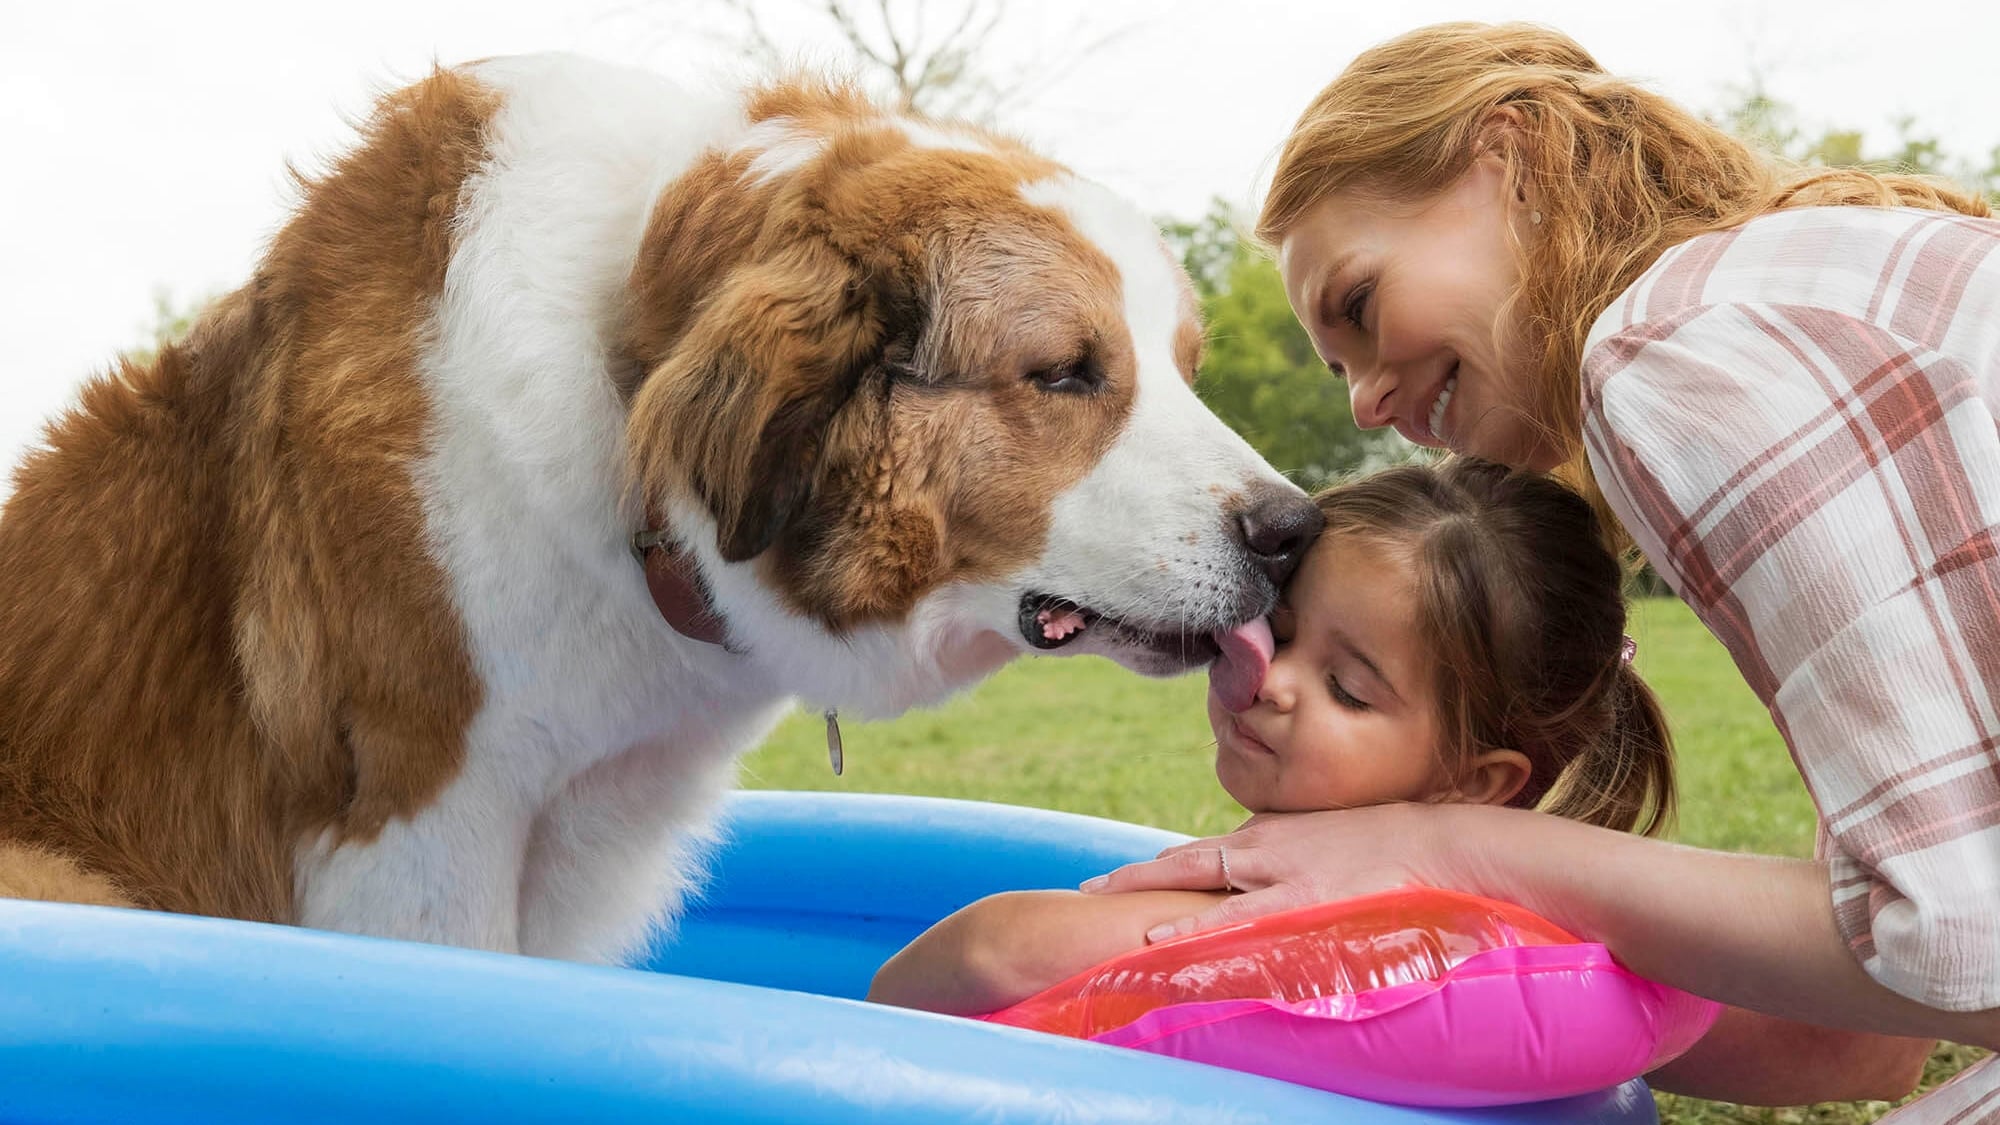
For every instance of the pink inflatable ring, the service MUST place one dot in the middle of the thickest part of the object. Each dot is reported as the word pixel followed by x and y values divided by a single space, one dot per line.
pixel 1416 996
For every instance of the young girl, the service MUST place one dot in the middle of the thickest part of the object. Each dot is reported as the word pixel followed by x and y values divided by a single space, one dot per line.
pixel 1456 634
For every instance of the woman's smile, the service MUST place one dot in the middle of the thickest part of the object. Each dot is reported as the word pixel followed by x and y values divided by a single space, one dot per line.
pixel 1435 420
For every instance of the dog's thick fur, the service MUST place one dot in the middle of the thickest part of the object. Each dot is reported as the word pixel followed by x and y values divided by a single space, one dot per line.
pixel 327 614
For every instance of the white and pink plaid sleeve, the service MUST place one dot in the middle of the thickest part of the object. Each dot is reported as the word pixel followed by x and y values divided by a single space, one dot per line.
pixel 1796 421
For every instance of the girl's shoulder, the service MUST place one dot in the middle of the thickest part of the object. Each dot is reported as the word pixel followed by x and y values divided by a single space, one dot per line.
pixel 1861 262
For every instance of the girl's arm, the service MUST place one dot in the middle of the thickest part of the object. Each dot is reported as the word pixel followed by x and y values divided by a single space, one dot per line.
pixel 1007 947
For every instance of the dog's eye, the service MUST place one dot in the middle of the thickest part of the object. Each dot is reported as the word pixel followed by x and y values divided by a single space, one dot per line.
pixel 1071 377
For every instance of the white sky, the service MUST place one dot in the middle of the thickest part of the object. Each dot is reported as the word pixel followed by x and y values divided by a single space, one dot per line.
pixel 142 145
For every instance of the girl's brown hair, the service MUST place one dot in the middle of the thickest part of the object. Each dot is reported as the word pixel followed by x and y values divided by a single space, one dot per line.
pixel 1618 174
pixel 1521 609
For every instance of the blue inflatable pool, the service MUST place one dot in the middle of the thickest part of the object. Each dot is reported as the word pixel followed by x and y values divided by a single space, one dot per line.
pixel 745 1016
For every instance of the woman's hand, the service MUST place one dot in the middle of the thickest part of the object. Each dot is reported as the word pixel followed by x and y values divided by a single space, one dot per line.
pixel 1282 860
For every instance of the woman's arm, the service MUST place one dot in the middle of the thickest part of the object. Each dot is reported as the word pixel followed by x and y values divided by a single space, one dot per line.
pixel 1757 1059
pixel 1007 947
pixel 1800 436
pixel 1751 931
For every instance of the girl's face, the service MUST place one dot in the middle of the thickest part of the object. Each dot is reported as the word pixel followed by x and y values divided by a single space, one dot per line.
pixel 1345 716
pixel 1406 303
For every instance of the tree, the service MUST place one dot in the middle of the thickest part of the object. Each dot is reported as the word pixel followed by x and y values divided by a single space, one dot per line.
pixel 1261 375
pixel 171 320
pixel 1765 122
pixel 933 58
pixel 1771 124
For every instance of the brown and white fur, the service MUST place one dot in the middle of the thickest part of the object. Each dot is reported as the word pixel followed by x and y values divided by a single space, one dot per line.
pixel 327 615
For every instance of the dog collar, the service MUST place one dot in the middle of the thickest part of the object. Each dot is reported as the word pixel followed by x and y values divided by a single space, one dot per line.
pixel 677 587
pixel 684 600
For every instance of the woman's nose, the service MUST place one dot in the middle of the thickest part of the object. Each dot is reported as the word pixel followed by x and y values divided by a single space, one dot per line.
pixel 1371 395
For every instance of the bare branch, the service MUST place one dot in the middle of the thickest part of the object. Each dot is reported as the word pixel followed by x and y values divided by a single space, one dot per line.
pixel 951 41
pixel 850 29
pixel 1009 92
pixel 901 53
pixel 948 64
pixel 953 73
pixel 754 40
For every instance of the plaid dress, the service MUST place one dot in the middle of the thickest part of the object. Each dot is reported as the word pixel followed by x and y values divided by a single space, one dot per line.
pixel 1796 422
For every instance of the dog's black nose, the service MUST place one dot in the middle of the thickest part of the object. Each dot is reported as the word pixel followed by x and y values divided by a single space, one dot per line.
pixel 1276 527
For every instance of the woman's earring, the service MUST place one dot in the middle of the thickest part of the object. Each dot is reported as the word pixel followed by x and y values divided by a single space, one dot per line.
pixel 1535 217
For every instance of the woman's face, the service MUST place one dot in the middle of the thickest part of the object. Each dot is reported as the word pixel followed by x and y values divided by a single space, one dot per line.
pixel 1405 301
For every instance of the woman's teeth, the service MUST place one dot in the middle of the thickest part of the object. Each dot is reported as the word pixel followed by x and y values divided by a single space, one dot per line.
pixel 1437 408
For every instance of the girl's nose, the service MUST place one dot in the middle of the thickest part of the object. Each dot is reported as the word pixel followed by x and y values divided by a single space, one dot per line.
pixel 1280 686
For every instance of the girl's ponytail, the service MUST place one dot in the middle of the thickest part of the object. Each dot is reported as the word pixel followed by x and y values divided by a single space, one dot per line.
pixel 1625 780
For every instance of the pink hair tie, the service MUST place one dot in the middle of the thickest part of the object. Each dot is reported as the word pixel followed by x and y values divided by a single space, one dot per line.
pixel 1627 649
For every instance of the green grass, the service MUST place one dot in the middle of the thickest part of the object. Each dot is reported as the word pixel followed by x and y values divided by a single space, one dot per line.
pixel 1085 736
pixel 1739 789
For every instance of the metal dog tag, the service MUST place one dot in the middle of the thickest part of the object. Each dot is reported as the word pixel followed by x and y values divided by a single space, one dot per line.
pixel 833 739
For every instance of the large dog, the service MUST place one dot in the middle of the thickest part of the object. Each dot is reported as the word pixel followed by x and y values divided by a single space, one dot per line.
pixel 571 428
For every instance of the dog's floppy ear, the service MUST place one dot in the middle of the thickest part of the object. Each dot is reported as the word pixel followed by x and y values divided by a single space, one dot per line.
pixel 740 408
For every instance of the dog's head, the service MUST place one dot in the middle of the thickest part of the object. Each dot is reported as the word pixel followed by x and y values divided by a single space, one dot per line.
pixel 915 390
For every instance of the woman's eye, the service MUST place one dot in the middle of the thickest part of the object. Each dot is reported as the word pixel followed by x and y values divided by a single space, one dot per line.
pixel 1071 377
pixel 1342 696
pixel 1355 308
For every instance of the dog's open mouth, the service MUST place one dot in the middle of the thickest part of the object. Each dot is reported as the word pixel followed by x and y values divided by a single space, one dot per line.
pixel 1049 623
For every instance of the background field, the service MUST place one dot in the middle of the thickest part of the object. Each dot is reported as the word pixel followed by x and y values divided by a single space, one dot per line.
pixel 1084 736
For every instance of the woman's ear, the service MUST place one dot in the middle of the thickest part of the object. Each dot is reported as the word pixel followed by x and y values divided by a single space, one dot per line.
pixel 1499 139
pixel 1503 127
pixel 1493 778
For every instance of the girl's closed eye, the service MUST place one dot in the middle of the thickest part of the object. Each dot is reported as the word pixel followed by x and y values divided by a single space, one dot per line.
pixel 1342 696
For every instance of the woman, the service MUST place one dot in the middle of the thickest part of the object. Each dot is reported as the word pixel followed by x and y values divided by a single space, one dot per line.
pixel 1784 390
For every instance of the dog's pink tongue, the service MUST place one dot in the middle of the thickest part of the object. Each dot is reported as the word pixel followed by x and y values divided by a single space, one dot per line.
pixel 1059 623
pixel 1239 671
